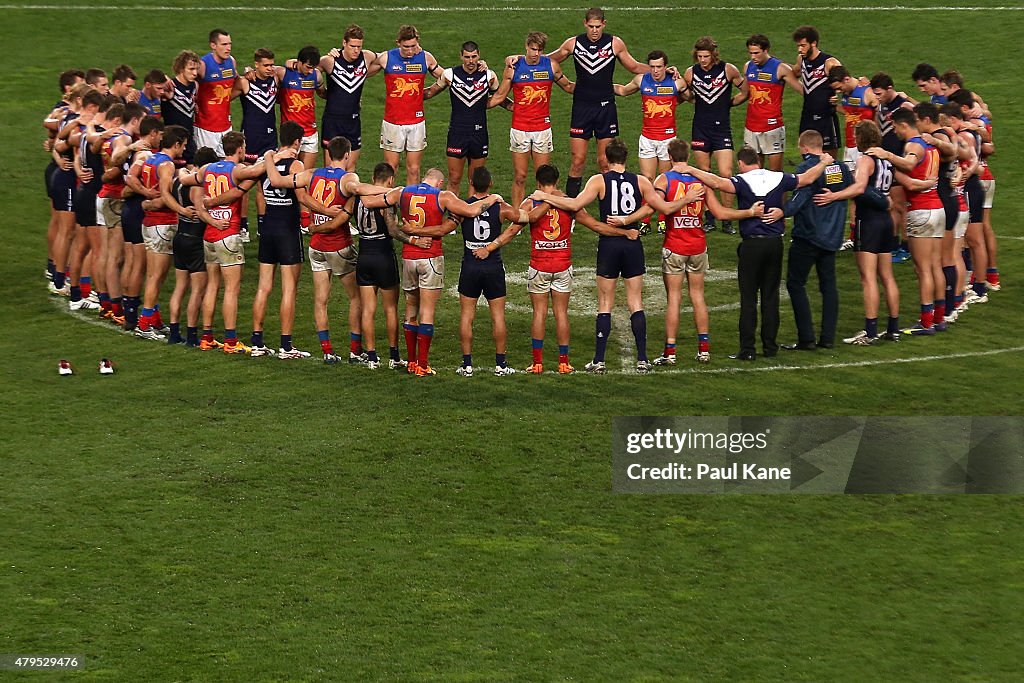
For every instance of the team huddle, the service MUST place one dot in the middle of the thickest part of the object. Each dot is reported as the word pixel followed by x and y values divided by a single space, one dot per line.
pixel 143 179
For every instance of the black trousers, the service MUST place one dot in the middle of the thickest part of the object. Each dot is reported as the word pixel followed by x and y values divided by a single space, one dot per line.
pixel 760 274
pixel 802 256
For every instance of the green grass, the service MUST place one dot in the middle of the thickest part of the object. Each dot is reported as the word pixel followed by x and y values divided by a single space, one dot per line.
pixel 198 517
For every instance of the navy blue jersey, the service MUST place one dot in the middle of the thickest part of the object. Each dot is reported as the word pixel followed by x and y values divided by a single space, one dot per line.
pixel 373 229
pixel 712 94
pixel 478 232
pixel 814 79
pixel 345 87
pixel 878 185
pixel 890 141
pixel 69 153
pixel 258 115
pixel 621 194
pixel 91 160
pixel 762 185
pixel 183 195
pixel 595 65
pixel 469 93
pixel 282 204
pixel 180 110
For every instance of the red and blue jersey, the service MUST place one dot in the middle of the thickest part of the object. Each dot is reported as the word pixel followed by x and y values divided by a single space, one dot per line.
pixel 325 187
pixel 218 178
pixel 531 95
pixel 927 167
pixel 659 107
pixel 684 230
pixel 764 111
pixel 403 87
pixel 150 180
pixel 420 207
pixel 856 109
pixel 152 106
pixel 297 96
pixel 551 241
pixel 113 188
pixel 213 101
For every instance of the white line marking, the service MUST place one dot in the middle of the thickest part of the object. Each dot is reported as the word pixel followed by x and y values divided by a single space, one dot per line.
pixel 508 8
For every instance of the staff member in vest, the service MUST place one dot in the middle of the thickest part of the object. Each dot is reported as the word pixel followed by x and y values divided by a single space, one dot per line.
pixel 217 74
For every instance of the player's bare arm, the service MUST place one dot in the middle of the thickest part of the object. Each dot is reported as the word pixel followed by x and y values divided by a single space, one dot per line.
pixel 737 78
pixel 724 213
pixel 594 189
pixel 627 60
pixel 591 223
pixel 629 88
pixel 711 180
pixel 861 175
pixel 562 52
pixel 788 75
pixel 912 155
pixel 561 80
pixel 452 204
pixel 387 199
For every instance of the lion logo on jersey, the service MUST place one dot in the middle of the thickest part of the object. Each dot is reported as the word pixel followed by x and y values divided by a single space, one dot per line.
pixel 759 96
pixel 220 94
pixel 298 102
pixel 405 86
pixel 532 95
pixel 653 109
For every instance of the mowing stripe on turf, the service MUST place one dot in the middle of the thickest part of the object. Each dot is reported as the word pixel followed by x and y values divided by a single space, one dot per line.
pixel 502 8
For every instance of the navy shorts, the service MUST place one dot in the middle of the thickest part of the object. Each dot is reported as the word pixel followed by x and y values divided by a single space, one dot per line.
pixel 620 257
pixel 259 142
pixel 131 220
pixel 975 199
pixel 376 269
pixel 710 136
pixel 85 203
pixel 189 251
pixel 62 190
pixel 482 277
pixel 51 168
pixel 463 144
pixel 873 233
pixel 352 129
pixel 282 247
pixel 950 204
pixel 591 119
pixel 826 123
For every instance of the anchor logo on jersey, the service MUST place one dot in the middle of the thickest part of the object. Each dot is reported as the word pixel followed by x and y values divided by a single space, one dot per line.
pixel 532 95
pixel 405 86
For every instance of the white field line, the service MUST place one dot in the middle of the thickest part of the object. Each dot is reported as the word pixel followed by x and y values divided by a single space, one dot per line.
pixel 500 8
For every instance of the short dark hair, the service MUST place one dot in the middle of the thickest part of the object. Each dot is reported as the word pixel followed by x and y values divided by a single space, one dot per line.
pixel 748 156
pixel 546 174
pixel 132 111
pixel 904 116
pixel 657 54
pixel 470 46
pixel 353 31
pixel 678 150
pixel 217 33
pixel 481 179
pixel 339 147
pixel 808 33
pixel 204 156
pixel 68 78
pixel 309 55
pixel 155 76
pixel 760 40
pixel 93 97
pixel 262 53
pixel 926 110
pixel 232 142
pixel 116 111
pixel 290 132
pixel 952 77
pixel 882 80
pixel 383 171
pixel 952 109
pixel 149 124
pixel 962 97
pixel 93 75
pixel 123 73
pixel 174 135
pixel 616 151
pixel 924 72
pixel 838 74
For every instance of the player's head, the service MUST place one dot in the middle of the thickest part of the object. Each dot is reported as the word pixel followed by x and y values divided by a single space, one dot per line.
pixel 233 143
pixel 867 134
pixel 97 78
pixel 339 148
pixel 963 98
pixel 757 47
pixel 408 41
pixel 220 43
pixel 927 78
pixel 154 83
pixel 950 114
pixel 186 65
pixel 470 55
pixel 263 62
pixel 535 43
pixel 92 100
pixel 133 113
pixel 678 150
pixel 123 79
pixel 546 175
pixel 307 60
pixel 174 140
pixel 290 134
pixel 883 87
pixel 204 156
pixel 69 79
pixel 151 128
pixel 616 152
pixel 952 80
pixel 115 114
pixel 927 113
pixel 747 159
pixel 434 177
pixel 904 123
pixel 352 42
pixel 658 61
pixel 810 142
pixel 383 174
pixel 839 79
pixel 77 92
pixel 481 180
pixel 806 39
pixel 705 52
pixel 594 22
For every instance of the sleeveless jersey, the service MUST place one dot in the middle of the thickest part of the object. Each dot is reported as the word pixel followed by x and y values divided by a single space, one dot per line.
pixel 814 79
pixel 621 195
pixel 712 94
pixel 258 108
pixel 938 99
pixel 403 83
pixel 881 179
pixel 947 167
pixel 183 196
pixel 659 107
pixel 883 117
pixel 149 179
pixel 986 172
pixel 91 160
pixel 374 237
pixel 551 241
pixel 595 65
pixel 115 187
pixel 217 180
pixel 469 93
pixel 297 99
pixel 480 231
pixel 927 167
pixel 855 110
pixel 213 110
pixel 325 187
pixel 684 230
pixel 531 95
pixel 153 106
pixel 181 108
pixel 764 110
pixel 69 153
pixel 420 207
pixel 282 205
pixel 345 87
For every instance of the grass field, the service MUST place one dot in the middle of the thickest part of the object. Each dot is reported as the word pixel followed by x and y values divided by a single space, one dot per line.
pixel 201 517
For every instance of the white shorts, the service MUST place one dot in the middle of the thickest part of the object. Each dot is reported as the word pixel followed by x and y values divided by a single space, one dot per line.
pixel 990 192
pixel 310 144
pixel 208 138
pixel 960 228
pixel 850 157
pixel 108 211
pixel 926 223
pixel 340 263
pixel 407 138
pixel 541 282
pixel 766 142
pixel 680 264
pixel 423 273
pixel 523 142
pixel 229 251
pixel 654 149
pixel 159 238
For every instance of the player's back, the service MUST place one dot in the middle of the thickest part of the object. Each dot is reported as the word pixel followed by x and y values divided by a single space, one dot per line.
pixel 420 207
pixel 622 195
pixel 684 229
